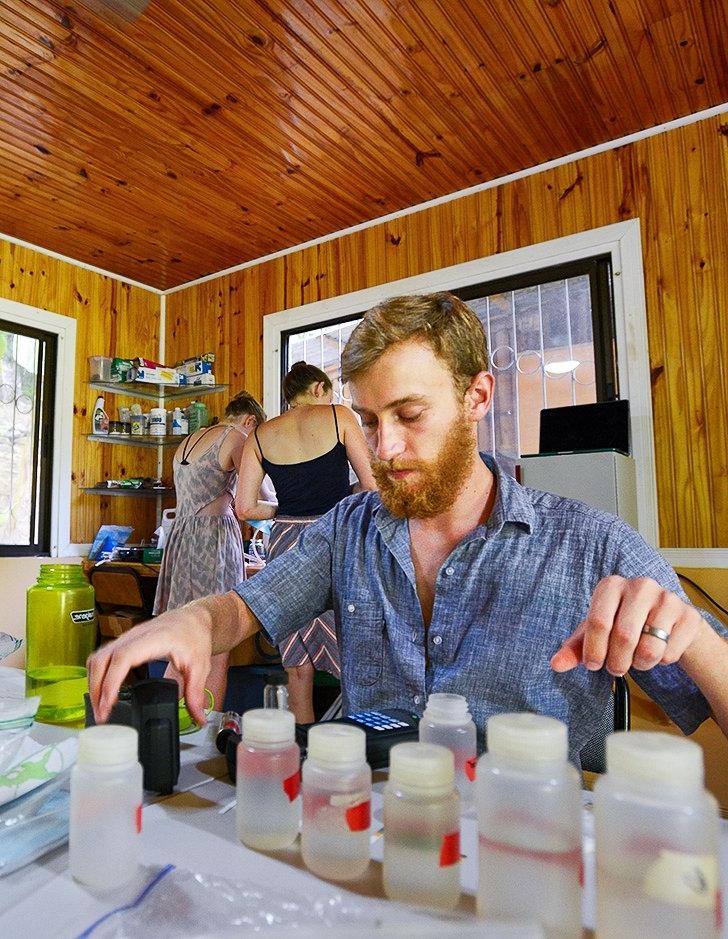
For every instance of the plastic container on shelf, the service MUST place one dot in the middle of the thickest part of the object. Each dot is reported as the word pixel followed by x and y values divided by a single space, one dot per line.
pixel 99 368
pixel 447 722
pixel 422 826
pixel 60 635
pixel 657 840
pixel 529 821
pixel 197 416
pixel 268 780
pixel 106 807
pixel 158 422
pixel 337 783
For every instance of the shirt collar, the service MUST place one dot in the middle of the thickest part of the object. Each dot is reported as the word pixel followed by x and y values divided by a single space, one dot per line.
pixel 512 504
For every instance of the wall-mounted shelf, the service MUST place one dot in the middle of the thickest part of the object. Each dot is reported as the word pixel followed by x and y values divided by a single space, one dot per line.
pixel 152 392
pixel 139 493
pixel 136 440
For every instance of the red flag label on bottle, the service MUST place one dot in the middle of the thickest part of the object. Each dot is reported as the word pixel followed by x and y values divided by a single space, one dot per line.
pixel 470 768
pixel 139 818
pixel 359 817
pixel 292 785
pixel 450 849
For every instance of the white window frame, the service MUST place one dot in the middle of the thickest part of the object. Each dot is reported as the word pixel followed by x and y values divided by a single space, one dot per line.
pixel 622 241
pixel 64 328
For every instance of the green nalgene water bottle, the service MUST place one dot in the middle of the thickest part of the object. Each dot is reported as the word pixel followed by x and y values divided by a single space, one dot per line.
pixel 60 635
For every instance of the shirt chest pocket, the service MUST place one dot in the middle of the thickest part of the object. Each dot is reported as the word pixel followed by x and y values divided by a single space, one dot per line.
pixel 361 642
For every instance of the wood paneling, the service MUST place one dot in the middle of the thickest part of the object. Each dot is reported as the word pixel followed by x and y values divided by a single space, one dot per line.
pixel 112 318
pixel 210 133
pixel 676 184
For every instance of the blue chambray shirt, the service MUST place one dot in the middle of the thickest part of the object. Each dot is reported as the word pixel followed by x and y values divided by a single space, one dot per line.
pixel 505 599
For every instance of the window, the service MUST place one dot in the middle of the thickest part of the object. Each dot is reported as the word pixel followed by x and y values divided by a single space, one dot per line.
pixel 27 392
pixel 551 341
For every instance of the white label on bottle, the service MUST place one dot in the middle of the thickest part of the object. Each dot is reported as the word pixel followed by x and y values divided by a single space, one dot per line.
pixel 83 616
pixel 683 879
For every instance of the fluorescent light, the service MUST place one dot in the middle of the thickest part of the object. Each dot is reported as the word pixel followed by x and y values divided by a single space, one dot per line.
pixel 561 368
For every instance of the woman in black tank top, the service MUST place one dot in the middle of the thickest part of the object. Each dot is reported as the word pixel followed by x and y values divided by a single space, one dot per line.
pixel 306 452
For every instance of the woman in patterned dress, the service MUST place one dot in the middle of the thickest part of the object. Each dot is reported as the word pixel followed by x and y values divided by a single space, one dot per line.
pixel 306 452
pixel 204 553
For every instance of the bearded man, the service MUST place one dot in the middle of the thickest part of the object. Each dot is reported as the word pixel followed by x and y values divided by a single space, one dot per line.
pixel 453 577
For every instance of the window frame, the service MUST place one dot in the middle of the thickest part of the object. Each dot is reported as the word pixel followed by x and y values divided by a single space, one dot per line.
pixel 63 328
pixel 40 516
pixel 620 241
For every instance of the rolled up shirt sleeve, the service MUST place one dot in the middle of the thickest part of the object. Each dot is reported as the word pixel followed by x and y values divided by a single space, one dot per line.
pixel 297 586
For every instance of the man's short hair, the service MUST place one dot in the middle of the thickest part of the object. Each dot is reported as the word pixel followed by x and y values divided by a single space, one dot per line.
pixel 450 327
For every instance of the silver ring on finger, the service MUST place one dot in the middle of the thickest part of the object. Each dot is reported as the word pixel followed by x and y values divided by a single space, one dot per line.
pixel 656 632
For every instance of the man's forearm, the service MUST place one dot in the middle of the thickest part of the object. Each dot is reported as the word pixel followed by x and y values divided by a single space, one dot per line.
pixel 706 662
pixel 228 619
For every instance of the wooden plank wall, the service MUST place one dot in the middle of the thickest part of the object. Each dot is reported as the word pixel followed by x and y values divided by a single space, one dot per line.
pixel 676 183
pixel 112 318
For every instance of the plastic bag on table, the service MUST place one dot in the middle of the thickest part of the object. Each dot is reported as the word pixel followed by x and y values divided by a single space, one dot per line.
pixel 179 904
pixel 34 824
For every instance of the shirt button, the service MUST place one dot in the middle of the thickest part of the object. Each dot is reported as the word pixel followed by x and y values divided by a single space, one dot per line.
pixel 351 608
pixel 437 640
pixel 416 699
pixel 449 571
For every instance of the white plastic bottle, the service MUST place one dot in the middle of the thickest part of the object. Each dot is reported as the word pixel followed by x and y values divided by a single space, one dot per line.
pixel 100 419
pixel 177 422
pixel 158 422
pixel 447 722
pixel 106 807
pixel 422 826
pixel 529 822
pixel 337 783
pixel 657 841
pixel 268 780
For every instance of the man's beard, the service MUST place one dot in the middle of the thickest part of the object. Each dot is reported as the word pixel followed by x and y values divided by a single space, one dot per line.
pixel 440 480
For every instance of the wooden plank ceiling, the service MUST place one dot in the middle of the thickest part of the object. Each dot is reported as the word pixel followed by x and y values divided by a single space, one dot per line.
pixel 203 134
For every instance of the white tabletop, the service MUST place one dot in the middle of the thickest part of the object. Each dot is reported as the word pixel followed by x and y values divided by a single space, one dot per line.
pixel 194 829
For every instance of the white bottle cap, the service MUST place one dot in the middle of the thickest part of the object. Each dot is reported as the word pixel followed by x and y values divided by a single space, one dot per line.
pixel 447 708
pixel 108 745
pixel 530 738
pixel 269 725
pixel 336 744
pixel 655 758
pixel 424 766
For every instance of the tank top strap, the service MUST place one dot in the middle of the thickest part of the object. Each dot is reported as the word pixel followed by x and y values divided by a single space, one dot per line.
pixel 260 449
pixel 186 450
pixel 336 423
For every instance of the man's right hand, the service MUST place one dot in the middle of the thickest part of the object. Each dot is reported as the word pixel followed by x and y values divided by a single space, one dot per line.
pixel 183 636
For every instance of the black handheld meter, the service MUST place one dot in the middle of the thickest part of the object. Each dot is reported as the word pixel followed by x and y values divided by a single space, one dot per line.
pixel 383 728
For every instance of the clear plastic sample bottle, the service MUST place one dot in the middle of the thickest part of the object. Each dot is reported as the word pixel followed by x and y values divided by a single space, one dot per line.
pixel 657 840
pixel 106 807
pixel 337 783
pixel 275 690
pixel 268 780
pixel 529 822
pixel 422 826
pixel 447 722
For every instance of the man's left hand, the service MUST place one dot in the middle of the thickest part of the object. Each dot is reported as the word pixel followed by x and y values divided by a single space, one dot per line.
pixel 612 634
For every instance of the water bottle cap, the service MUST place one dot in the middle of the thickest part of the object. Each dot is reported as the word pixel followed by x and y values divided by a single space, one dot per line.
pixel 108 745
pixel 269 725
pixel 655 757
pixel 424 766
pixel 447 708
pixel 531 738
pixel 337 744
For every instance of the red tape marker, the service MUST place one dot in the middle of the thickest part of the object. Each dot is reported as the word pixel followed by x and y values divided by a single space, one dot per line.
pixel 450 849
pixel 359 817
pixel 292 785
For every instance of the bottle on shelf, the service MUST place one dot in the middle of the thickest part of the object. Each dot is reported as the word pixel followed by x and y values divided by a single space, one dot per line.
pixel 529 821
pixel 197 416
pixel 158 422
pixel 100 419
pixel 447 722
pixel 268 780
pixel 422 826
pixel 657 840
pixel 337 783
pixel 106 807
pixel 177 422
